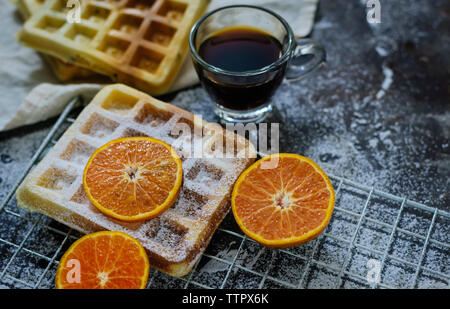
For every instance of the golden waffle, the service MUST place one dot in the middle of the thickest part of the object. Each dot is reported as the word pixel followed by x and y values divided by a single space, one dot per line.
pixel 28 7
pixel 138 42
pixel 176 239
pixel 63 71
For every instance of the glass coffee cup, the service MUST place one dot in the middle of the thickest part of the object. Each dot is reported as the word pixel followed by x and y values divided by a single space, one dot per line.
pixel 229 43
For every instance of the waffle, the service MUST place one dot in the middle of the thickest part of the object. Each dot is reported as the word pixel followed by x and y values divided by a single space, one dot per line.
pixel 138 42
pixel 174 240
pixel 63 71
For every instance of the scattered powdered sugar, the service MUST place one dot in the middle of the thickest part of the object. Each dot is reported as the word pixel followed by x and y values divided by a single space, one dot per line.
pixel 381 51
pixel 387 82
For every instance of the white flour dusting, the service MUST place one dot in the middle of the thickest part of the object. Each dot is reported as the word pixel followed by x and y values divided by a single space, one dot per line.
pixel 387 82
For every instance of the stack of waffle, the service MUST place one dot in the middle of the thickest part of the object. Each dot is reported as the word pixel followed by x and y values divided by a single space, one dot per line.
pixel 141 43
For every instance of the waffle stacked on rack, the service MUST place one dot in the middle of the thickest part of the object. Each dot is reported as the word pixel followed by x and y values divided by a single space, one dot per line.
pixel 176 239
pixel 138 42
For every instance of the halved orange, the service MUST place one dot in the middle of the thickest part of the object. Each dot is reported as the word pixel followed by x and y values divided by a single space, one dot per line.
pixel 134 178
pixel 103 260
pixel 283 205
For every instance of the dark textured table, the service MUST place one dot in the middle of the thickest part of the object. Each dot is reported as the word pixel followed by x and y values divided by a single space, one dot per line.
pixel 378 113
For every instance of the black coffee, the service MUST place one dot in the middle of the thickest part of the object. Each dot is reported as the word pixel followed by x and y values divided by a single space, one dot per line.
pixel 241 49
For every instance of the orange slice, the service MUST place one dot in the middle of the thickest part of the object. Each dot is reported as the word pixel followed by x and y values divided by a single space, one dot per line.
pixel 103 260
pixel 133 179
pixel 283 205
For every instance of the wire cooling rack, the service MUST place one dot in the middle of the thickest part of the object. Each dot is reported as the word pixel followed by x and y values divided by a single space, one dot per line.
pixel 374 240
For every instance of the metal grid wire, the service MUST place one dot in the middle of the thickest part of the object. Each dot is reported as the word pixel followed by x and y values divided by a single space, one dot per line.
pixel 409 255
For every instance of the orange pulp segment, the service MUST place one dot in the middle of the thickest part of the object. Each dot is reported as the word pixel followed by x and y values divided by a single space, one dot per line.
pixel 133 179
pixel 283 206
pixel 103 260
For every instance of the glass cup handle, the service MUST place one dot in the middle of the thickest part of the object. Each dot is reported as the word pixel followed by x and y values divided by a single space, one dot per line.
pixel 306 58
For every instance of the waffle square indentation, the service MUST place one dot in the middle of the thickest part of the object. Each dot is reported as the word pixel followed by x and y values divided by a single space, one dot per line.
pixel 59 6
pixel 147 59
pixel 95 13
pixel 160 33
pixel 50 24
pixel 133 133
pixel 78 152
pixel 119 102
pixel 56 179
pixel 80 197
pixel 81 34
pixel 173 10
pixel 165 232
pixel 141 5
pixel 99 126
pixel 127 23
pixel 114 47
pixel 204 177
pixel 190 204
pixel 148 114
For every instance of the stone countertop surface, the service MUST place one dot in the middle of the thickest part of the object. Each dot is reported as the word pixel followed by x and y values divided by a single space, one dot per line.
pixel 378 113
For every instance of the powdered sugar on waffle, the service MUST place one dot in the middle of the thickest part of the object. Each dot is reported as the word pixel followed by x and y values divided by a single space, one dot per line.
pixel 181 233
